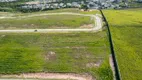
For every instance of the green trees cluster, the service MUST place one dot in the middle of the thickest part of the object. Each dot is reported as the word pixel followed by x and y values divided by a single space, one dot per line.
pixel 11 6
pixel 130 3
pixel 84 6
pixel 16 5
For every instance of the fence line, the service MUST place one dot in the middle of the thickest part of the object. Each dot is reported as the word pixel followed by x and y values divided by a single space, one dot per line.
pixel 116 68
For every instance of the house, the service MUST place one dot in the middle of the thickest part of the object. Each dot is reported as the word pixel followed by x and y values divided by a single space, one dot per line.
pixel 92 4
pixel 7 0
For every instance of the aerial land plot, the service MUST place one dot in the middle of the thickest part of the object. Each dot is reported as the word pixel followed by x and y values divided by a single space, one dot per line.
pixel 126 29
pixel 47 22
pixel 81 53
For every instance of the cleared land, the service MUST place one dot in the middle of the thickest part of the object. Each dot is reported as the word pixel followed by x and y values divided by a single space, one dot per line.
pixel 75 53
pixel 97 26
pixel 47 22
pixel 126 29
pixel 39 20
pixel 49 76
pixel 66 53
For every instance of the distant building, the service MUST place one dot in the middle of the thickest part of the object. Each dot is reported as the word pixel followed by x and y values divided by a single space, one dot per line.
pixel 50 4
pixel 7 0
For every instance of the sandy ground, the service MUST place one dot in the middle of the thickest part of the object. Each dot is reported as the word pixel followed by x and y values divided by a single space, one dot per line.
pixel 112 66
pixel 97 27
pixel 67 76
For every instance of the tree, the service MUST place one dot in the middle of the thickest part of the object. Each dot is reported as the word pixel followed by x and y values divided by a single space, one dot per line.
pixel 84 6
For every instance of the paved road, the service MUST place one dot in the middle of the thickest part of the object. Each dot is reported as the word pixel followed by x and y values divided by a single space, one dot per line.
pixel 97 27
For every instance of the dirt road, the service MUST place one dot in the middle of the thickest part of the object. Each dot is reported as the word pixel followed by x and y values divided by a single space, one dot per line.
pixel 68 76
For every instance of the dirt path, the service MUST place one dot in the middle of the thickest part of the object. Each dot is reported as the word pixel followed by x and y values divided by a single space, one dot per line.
pixel 45 14
pixel 68 76
pixel 112 66
pixel 97 27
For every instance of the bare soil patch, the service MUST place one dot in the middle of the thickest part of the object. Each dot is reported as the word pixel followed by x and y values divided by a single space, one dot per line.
pixel 112 65
pixel 50 55
pixel 94 64
pixel 89 26
pixel 67 76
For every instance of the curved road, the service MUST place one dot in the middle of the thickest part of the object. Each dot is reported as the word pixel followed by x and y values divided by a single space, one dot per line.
pixel 97 27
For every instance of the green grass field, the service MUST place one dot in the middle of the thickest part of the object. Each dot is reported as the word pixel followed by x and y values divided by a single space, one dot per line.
pixel 65 53
pixel 126 29
pixel 46 22
pixel 81 52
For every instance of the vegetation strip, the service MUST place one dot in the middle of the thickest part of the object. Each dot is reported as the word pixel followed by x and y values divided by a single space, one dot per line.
pixel 117 73
pixel 61 13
